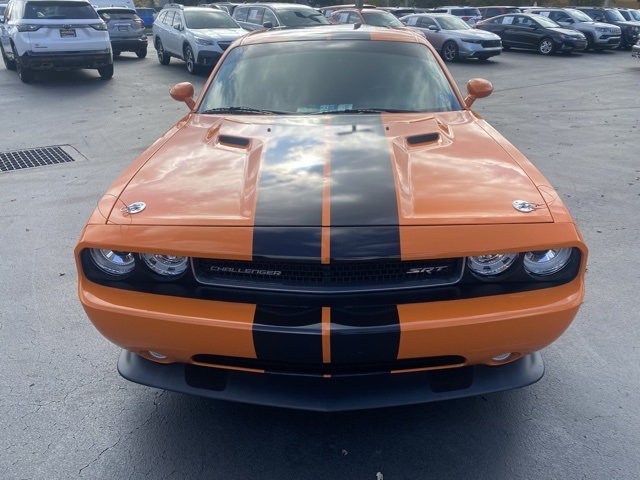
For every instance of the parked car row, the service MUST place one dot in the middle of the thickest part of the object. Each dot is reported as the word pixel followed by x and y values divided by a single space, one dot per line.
pixel 79 36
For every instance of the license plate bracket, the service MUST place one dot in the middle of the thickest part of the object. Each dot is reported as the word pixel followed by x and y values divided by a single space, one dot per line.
pixel 67 32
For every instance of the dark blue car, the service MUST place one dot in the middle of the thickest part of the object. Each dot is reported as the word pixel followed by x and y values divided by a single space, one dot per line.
pixel 147 15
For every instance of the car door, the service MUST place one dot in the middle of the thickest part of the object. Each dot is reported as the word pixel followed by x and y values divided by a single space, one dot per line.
pixel 435 36
pixel 522 32
pixel 503 27
pixel 175 24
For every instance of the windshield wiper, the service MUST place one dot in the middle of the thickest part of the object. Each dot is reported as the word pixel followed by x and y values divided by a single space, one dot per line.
pixel 247 110
pixel 365 110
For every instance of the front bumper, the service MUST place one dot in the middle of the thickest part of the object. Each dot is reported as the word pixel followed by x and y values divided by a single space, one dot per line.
pixel 208 58
pixel 480 52
pixel 331 394
pixel 571 45
pixel 66 60
pixel 635 51
pixel 608 42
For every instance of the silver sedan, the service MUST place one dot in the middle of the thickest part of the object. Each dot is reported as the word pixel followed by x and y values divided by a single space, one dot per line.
pixel 453 38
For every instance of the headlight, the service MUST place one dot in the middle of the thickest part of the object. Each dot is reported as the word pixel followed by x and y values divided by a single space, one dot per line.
pixel 489 265
pixel 165 265
pixel 546 262
pixel 470 40
pixel 204 41
pixel 113 262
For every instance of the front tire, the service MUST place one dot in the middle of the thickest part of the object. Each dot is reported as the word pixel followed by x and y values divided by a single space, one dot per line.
pixel 106 72
pixel 141 53
pixel 545 46
pixel 163 57
pixel 190 59
pixel 449 51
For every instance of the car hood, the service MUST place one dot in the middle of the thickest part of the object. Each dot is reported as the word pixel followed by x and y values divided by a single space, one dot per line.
pixel 334 170
pixel 603 25
pixel 566 31
pixel 475 34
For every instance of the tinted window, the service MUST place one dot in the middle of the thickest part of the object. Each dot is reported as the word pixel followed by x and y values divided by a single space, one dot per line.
pixel 202 19
pixel 381 19
pixel 240 14
pixel 59 11
pixel 301 17
pixel 107 15
pixel 292 77
pixel 613 16
pixel 453 23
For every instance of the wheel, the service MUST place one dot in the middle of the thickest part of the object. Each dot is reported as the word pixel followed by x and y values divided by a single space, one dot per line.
pixel 589 42
pixel 141 53
pixel 192 68
pixel 27 75
pixel 10 64
pixel 163 57
pixel 449 51
pixel 545 47
pixel 106 72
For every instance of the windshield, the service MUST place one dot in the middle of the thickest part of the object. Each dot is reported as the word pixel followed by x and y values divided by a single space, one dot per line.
pixel 112 14
pixel 301 18
pixel 580 16
pixel 546 22
pixel 613 16
pixel 635 14
pixel 202 19
pixel 59 10
pixel 381 19
pixel 453 23
pixel 305 77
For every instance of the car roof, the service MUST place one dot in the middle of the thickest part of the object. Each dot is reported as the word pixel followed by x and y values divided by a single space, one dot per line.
pixel 333 32
pixel 278 5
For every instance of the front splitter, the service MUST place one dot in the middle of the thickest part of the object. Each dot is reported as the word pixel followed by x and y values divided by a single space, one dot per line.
pixel 340 393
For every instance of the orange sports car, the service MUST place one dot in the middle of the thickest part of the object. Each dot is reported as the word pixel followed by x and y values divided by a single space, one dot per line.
pixel 331 227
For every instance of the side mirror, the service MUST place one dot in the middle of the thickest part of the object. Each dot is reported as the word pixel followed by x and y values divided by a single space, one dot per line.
pixel 267 25
pixel 433 28
pixel 177 26
pixel 570 20
pixel 477 88
pixel 183 92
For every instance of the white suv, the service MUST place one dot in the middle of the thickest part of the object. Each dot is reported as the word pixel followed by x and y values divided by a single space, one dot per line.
pixel 197 35
pixel 54 35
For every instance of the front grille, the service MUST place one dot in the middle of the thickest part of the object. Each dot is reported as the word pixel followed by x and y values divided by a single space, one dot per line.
pixel 336 277
pixel 491 43
pixel 333 369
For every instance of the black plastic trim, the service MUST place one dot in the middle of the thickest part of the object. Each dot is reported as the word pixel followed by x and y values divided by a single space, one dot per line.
pixel 333 394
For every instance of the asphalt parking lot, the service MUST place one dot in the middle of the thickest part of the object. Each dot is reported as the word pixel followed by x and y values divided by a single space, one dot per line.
pixel 65 412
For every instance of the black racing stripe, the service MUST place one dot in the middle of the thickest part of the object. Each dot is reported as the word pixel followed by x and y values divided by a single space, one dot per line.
pixel 291 175
pixel 290 191
pixel 288 335
pixel 365 335
pixel 287 242
pixel 364 206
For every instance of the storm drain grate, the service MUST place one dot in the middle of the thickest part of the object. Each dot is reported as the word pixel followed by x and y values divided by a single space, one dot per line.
pixel 34 157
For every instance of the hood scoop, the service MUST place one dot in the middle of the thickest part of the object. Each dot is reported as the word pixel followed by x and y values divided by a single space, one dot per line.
pixel 423 139
pixel 232 141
